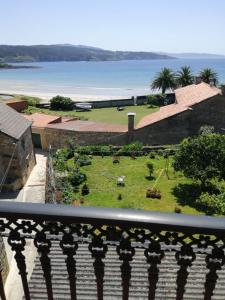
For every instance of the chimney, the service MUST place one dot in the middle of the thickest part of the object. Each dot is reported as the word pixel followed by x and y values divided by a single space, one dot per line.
pixel 131 121
pixel 198 79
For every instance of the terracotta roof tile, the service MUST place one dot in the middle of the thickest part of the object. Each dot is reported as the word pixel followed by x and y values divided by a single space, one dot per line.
pixel 89 126
pixel 42 120
pixel 185 97
pixel 195 93
pixel 164 113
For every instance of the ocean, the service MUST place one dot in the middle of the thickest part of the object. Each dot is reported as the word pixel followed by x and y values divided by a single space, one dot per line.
pixel 95 80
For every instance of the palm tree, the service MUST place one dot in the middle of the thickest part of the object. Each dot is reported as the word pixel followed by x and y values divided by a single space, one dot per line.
pixel 164 80
pixel 185 76
pixel 209 75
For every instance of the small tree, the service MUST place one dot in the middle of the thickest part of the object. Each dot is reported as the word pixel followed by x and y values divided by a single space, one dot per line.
pixel 61 103
pixel 85 190
pixel 202 158
pixel 164 80
pixel 150 167
pixel 209 75
pixel 77 177
pixel 185 76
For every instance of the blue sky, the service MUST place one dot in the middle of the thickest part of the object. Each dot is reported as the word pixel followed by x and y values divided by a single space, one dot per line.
pixel 166 25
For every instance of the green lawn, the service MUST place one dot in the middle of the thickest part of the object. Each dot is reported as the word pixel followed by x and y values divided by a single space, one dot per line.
pixel 102 175
pixel 108 115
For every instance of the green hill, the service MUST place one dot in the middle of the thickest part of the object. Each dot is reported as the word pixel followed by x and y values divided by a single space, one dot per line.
pixel 40 53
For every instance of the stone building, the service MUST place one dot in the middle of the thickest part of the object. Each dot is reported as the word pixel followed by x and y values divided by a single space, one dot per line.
pixel 196 105
pixel 17 157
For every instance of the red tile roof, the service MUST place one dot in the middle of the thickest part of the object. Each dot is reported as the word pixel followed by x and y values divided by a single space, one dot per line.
pixel 185 97
pixel 42 120
pixel 195 93
pixel 89 126
pixel 164 113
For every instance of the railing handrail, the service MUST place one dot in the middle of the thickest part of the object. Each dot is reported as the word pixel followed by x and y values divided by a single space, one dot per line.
pixel 110 216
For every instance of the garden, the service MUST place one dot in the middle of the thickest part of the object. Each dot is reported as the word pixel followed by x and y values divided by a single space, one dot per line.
pixel 131 177
pixel 63 106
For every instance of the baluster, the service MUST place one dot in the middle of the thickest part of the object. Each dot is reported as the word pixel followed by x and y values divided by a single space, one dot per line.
pixel 126 253
pixel 185 258
pixel 2 290
pixel 98 250
pixel 154 255
pixel 214 262
pixel 69 247
pixel 17 244
pixel 43 246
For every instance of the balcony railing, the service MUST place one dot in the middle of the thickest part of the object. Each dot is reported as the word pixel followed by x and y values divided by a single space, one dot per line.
pixel 125 231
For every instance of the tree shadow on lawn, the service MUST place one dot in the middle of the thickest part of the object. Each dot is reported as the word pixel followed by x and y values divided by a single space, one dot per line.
pixel 150 178
pixel 188 193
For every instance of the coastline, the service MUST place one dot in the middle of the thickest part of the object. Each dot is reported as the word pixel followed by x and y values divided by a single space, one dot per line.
pixel 46 96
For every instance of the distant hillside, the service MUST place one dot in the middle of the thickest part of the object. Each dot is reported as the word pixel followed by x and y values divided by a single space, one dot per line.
pixel 196 55
pixel 69 53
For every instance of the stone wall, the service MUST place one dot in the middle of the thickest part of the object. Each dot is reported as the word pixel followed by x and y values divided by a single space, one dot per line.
pixel 59 138
pixel 174 129
pixel 168 131
pixel 21 163
pixel 26 155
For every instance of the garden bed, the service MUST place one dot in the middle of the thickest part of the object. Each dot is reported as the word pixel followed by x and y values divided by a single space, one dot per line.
pixel 101 177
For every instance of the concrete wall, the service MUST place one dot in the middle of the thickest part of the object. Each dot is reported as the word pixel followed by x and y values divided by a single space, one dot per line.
pixel 119 102
pixel 22 162
pixel 140 100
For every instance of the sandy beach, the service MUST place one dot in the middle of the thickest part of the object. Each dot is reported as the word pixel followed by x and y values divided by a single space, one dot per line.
pixel 46 96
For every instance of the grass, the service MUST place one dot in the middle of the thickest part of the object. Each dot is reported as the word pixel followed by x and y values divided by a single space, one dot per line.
pixel 105 115
pixel 101 180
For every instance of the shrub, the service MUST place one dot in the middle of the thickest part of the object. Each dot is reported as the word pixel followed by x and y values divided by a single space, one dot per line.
pixel 63 154
pixel 85 190
pixel 166 153
pixel 59 160
pixel 150 167
pixel 81 200
pixel 82 160
pixel 119 197
pixel 116 159
pixel 153 193
pixel 67 194
pixel 134 149
pixel 202 158
pixel 96 150
pixel 160 152
pixel 77 177
pixel 31 101
pixel 152 155
pixel 156 100
pixel 61 103
pixel 177 210
pixel 212 204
